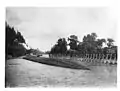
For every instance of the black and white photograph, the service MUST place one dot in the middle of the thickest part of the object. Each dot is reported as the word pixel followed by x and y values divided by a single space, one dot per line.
pixel 61 47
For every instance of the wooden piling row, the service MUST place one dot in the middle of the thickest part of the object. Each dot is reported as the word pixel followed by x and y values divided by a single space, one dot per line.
pixel 92 58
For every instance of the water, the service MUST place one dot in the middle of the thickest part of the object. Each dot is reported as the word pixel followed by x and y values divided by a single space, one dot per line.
pixel 24 73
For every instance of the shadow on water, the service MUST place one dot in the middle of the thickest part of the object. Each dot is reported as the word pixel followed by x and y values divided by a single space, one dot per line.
pixel 56 62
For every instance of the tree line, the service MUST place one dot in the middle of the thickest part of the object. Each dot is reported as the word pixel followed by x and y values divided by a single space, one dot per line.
pixel 90 44
pixel 13 42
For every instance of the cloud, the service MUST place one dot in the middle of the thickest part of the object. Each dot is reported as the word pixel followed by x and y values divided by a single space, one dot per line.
pixel 12 17
pixel 43 26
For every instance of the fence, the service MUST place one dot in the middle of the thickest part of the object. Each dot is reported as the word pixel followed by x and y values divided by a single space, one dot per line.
pixel 92 58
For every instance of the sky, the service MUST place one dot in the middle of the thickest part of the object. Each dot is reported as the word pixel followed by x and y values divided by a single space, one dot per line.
pixel 43 26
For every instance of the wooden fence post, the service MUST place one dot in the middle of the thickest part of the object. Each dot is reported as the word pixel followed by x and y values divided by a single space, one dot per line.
pixel 115 57
pixel 107 56
pixel 93 58
pixel 88 57
pixel 103 58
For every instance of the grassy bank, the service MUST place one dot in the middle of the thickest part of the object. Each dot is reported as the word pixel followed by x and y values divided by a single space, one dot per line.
pixel 67 63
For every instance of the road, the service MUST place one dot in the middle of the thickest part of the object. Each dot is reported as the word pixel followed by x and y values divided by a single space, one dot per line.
pixel 24 73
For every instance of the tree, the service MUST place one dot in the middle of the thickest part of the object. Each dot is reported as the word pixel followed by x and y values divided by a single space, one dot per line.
pixel 110 42
pixel 60 47
pixel 20 37
pixel 89 43
pixel 13 40
pixel 90 37
pixel 10 35
pixel 73 42
pixel 94 36
pixel 100 43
